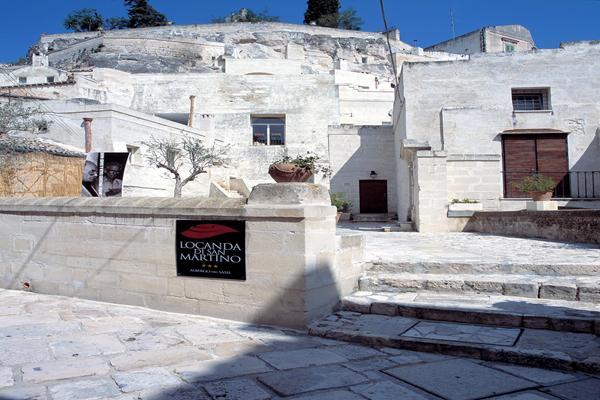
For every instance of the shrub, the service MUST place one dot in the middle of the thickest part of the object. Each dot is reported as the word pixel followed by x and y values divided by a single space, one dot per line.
pixel 339 201
pixel 308 161
pixel 535 183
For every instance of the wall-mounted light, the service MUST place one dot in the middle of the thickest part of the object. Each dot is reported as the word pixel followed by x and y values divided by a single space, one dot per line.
pixel 373 174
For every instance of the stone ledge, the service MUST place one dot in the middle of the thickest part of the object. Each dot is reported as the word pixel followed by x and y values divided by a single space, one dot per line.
pixel 138 206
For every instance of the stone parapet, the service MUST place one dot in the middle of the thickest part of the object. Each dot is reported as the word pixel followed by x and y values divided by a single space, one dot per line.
pixel 123 251
pixel 565 225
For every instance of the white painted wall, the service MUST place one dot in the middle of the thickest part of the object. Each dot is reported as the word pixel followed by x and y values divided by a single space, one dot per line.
pixel 462 107
pixel 356 151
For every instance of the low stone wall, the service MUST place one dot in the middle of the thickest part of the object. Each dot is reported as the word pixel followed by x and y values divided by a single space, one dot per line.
pixel 564 225
pixel 123 251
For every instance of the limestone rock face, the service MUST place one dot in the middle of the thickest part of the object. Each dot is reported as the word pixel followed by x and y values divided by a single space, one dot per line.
pixel 202 48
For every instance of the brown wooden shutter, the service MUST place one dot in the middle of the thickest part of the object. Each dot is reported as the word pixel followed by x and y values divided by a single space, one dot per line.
pixel 519 162
pixel 552 161
pixel 524 155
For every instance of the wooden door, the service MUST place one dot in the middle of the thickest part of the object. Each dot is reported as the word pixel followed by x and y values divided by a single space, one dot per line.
pixel 524 155
pixel 373 196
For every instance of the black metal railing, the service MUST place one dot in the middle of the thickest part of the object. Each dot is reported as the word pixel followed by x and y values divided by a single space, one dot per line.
pixel 572 184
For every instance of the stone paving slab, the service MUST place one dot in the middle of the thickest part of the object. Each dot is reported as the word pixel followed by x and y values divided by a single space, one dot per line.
pixel 415 248
pixel 49 371
pixel 301 358
pixel 532 347
pixel 303 380
pixel 480 308
pixel 460 379
pixel 165 358
pixel 464 333
pixel 85 389
pixel 587 389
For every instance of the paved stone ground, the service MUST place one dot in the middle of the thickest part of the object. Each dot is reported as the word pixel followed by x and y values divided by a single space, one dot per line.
pixel 57 348
pixel 465 248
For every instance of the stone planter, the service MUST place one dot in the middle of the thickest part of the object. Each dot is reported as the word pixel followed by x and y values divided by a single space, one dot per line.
pixel 285 172
pixel 465 207
pixel 541 196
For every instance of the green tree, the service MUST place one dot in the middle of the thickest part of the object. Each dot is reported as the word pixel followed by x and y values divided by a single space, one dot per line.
pixel 116 23
pixel 327 13
pixel 142 14
pixel 246 15
pixel 84 20
pixel 187 156
pixel 349 20
pixel 322 11
pixel 16 116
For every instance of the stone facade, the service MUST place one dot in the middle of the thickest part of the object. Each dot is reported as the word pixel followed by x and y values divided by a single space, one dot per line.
pixel 461 109
pixel 490 39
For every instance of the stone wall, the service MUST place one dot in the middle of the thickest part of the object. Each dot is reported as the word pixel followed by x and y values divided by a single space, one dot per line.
pixel 563 225
pixel 475 178
pixel 356 151
pixel 123 251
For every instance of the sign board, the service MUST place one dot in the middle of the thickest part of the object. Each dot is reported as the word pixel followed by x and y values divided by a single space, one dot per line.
pixel 211 249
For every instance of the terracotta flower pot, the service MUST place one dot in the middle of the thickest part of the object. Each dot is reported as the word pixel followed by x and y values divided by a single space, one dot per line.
pixel 541 196
pixel 285 172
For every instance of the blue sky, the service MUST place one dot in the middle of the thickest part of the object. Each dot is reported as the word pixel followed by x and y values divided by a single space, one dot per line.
pixel 424 21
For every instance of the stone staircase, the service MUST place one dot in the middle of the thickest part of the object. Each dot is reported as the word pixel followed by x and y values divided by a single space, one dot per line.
pixel 537 315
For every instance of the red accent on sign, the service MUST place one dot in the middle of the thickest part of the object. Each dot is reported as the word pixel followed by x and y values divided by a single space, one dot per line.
pixel 206 231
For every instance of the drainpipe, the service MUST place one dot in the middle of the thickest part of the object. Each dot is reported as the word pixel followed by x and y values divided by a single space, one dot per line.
pixel 192 110
pixel 87 125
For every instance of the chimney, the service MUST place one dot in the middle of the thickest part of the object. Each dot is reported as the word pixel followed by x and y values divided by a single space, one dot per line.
pixel 87 125
pixel 192 110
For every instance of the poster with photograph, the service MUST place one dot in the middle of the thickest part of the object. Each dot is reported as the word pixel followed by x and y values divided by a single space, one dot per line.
pixel 103 174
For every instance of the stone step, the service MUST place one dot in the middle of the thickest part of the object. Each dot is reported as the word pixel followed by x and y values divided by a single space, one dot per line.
pixel 506 311
pixel 572 288
pixel 372 217
pixel 531 347
pixel 424 267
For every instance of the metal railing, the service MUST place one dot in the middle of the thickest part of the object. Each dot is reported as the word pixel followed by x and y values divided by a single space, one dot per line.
pixel 572 184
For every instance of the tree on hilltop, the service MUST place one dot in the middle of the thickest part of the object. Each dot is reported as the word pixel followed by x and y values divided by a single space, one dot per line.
pixel 84 20
pixel 321 11
pixel 327 13
pixel 247 15
pixel 142 14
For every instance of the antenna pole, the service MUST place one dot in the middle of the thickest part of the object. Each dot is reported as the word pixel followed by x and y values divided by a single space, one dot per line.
pixel 452 23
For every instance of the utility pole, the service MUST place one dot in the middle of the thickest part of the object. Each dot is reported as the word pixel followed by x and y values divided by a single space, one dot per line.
pixel 452 24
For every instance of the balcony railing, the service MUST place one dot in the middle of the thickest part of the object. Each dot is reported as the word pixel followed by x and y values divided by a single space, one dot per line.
pixel 573 184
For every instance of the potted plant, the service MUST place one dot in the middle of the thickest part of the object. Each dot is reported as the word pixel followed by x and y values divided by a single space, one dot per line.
pixel 297 169
pixel 538 186
pixel 342 205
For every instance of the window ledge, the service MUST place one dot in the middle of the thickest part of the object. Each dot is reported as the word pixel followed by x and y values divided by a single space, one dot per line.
pixel 533 111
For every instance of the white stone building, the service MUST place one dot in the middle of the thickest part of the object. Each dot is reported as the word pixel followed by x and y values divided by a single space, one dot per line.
pixel 467 129
pixel 489 39
pixel 271 89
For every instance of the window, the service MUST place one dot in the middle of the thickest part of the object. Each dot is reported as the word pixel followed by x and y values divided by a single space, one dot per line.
pixel 531 99
pixel 22 80
pixel 509 47
pixel 50 79
pixel 268 131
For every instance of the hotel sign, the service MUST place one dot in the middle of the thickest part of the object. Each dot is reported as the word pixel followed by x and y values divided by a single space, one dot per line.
pixel 211 249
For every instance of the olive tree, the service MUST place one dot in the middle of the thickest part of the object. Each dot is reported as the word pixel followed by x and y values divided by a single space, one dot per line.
pixel 184 159
pixel 15 116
